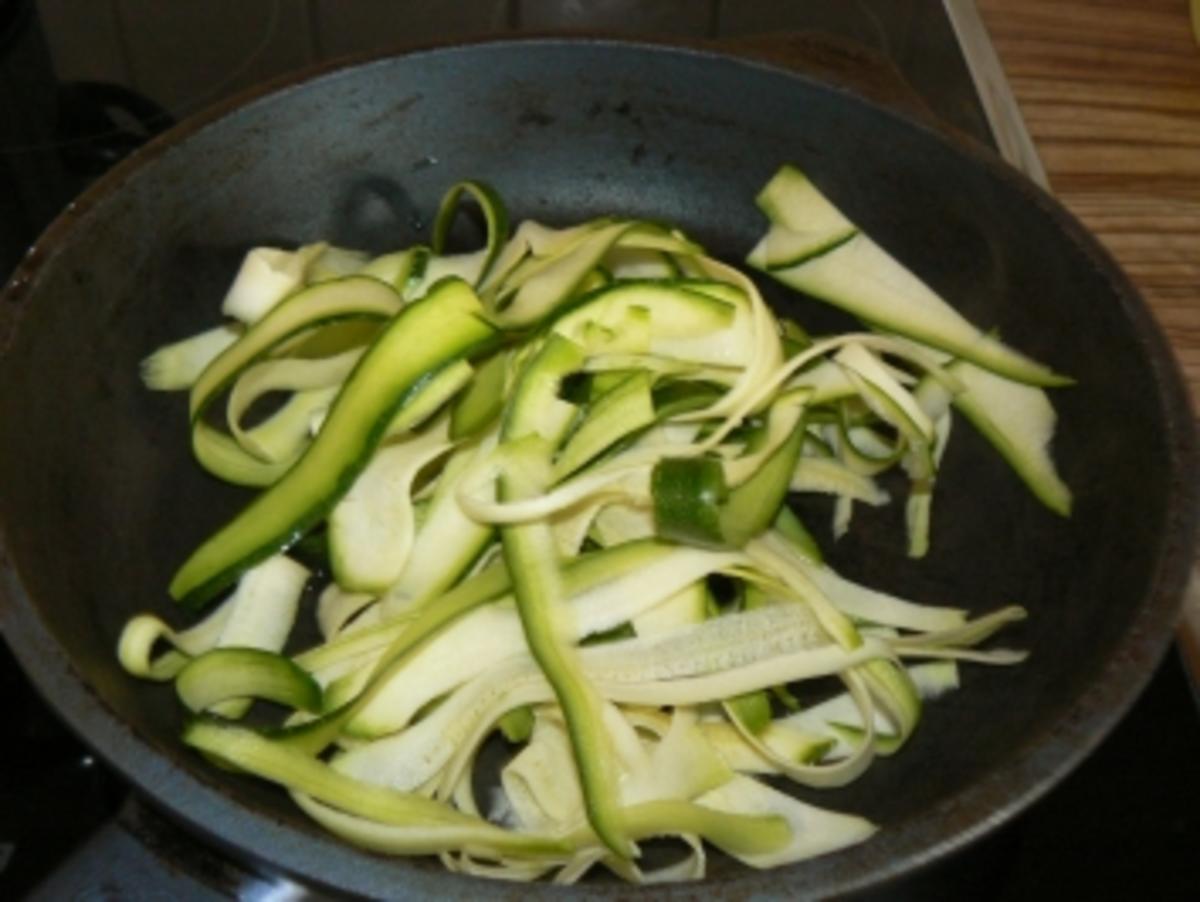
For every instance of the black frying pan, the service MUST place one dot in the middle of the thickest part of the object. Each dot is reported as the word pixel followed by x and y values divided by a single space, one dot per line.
pixel 100 501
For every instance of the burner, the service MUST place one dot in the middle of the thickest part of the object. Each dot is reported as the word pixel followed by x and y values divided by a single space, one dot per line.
pixel 54 793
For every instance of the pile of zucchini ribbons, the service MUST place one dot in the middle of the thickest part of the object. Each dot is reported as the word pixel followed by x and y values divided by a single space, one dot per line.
pixel 546 484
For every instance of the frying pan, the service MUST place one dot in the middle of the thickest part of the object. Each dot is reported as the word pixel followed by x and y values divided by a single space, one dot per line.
pixel 100 501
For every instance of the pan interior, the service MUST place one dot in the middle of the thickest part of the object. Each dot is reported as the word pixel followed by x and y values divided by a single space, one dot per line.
pixel 101 500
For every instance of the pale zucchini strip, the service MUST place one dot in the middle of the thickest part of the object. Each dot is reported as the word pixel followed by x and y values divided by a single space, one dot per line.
pixel 736 833
pixel 1020 422
pixel 813 831
pixel 307 377
pixel 831 476
pixel 494 631
pixel 841 721
pixel 176 366
pixel 446 542
pixel 825 774
pixel 873 606
pixel 267 275
pixel 372 527
pixel 919 505
pixel 259 614
pixel 431 825
pixel 143 632
pixel 336 608
pixel 706 662
pixel 540 541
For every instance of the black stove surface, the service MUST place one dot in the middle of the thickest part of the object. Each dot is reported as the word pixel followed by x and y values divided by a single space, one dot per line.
pixel 1124 825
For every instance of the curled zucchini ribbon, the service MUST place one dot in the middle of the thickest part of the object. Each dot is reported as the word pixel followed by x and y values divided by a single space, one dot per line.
pixel 544 490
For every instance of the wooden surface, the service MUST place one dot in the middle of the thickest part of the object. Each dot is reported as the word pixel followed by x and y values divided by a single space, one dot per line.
pixel 1110 92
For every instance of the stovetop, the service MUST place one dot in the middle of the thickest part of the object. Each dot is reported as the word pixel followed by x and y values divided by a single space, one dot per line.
pixel 1125 824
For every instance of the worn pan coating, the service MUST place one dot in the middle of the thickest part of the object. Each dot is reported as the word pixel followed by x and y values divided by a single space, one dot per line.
pixel 99 501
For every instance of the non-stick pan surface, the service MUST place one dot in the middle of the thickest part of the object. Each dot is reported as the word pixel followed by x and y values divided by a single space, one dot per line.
pixel 100 501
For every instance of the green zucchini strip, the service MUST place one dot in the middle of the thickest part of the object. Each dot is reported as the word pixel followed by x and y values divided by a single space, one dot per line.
pixel 548 482
pixel 812 247
pixel 351 297
pixel 259 613
pixel 297 771
pixel 291 375
pixel 223 674
pixel 330 301
pixel 495 214
pixel 531 557
pixel 440 328
pixel 371 527
pixel 1019 422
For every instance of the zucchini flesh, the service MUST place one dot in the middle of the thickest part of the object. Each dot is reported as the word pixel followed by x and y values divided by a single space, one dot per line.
pixel 426 335
pixel 480 404
pixel 531 558
pixel 543 292
pixel 1019 422
pixel 851 271
pixel 353 297
pixel 447 541
pixel 267 276
pixel 625 408
pixel 280 435
pixel 861 278
pixel 299 772
pixel 694 503
pixel 753 505
pixel 396 269
pixel 350 297
pixel 180 363
pixel 525 474
pixel 371 528
pixel 222 456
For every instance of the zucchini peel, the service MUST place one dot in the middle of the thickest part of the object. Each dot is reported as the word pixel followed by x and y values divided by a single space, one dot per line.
pixel 542 493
